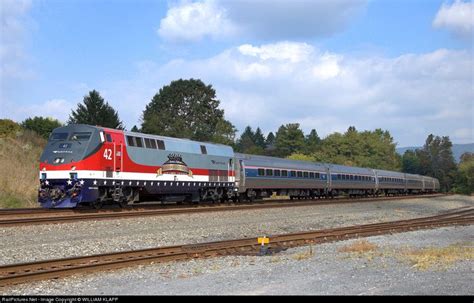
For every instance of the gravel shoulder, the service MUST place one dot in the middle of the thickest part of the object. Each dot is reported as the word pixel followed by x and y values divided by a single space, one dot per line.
pixel 327 269
pixel 40 242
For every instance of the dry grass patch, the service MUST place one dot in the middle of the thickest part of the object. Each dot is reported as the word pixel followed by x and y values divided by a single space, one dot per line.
pixel 304 255
pixel 437 257
pixel 359 247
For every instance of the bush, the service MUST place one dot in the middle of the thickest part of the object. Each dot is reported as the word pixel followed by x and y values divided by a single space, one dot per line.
pixel 9 128
pixel 42 126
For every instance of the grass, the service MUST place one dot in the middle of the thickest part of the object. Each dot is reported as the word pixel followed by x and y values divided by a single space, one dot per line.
pixel 358 247
pixel 436 257
pixel 304 255
pixel 19 164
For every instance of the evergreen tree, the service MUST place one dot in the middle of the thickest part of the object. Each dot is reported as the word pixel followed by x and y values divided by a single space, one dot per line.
pixel 289 139
pixel 187 109
pixel 246 143
pixel 259 139
pixel 311 142
pixel 135 129
pixel 95 111
pixel 270 141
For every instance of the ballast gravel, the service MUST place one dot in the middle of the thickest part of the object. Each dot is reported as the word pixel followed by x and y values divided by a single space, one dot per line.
pixel 325 269
pixel 41 242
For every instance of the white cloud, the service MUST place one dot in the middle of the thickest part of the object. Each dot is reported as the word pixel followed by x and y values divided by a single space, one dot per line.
pixel 55 108
pixel 193 21
pixel 411 95
pixel 283 51
pixel 265 19
pixel 457 18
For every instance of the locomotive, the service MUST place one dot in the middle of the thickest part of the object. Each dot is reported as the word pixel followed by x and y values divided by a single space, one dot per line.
pixel 92 165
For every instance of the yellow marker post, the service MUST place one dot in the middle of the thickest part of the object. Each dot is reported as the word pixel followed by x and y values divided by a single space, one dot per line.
pixel 262 241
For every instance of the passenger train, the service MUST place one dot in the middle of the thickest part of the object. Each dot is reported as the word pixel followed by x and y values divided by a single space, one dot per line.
pixel 91 165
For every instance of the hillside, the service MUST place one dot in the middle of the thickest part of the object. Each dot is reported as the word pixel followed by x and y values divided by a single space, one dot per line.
pixel 458 150
pixel 19 162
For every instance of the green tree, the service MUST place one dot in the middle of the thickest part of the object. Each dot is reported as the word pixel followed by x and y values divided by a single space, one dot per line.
pixel 42 126
pixel 246 143
pixel 465 177
pixel 270 141
pixel 437 160
pixel 95 111
pixel 187 109
pixel 374 149
pixel 411 162
pixel 259 139
pixel 311 142
pixel 289 139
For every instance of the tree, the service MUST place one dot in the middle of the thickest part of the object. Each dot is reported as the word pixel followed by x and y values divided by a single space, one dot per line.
pixel 42 126
pixel 411 162
pixel 95 111
pixel 259 139
pixel 187 109
pixel 270 141
pixel 465 177
pixel 373 149
pixel 289 139
pixel 246 143
pixel 311 142
pixel 135 129
pixel 437 160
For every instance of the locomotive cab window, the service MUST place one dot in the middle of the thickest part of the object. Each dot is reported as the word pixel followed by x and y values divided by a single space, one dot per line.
pixel 81 136
pixel 59 136
pixel 203 150
pixel 109 137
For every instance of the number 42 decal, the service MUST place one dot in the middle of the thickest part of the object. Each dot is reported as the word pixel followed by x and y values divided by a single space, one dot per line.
pixel 108 154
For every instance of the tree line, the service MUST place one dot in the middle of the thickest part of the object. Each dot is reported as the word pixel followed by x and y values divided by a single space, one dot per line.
pixel 190 109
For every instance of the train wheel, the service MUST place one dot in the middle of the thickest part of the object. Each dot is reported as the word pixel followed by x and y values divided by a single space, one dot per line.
pixel 97 204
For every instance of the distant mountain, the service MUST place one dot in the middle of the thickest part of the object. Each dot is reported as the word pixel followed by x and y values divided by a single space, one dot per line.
pixel 458 150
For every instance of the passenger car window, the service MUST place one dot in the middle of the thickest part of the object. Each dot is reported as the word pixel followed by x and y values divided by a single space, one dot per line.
pixel 261 172
pixel 130 141
pixel 269 172
pixel 161 144
pixel 284 173
pixel 139 141
pixel 277 172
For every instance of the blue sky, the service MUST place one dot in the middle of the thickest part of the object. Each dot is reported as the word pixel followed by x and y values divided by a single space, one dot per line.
pixel 405 66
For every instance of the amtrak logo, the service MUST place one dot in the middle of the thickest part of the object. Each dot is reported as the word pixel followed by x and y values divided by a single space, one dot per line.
pixel 174 166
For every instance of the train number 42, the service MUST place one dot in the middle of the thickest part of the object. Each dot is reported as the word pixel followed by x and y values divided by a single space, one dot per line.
pixel 108 154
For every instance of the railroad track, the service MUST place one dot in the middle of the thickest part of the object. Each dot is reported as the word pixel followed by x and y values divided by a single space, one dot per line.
pixel 21 217
pixel 27 272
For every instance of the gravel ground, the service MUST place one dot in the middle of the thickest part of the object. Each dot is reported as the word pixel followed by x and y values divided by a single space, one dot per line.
pixel 323 270
pixel 40 242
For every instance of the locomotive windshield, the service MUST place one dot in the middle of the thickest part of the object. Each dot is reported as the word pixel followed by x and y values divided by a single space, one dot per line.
pixel 82 136
pixel 59 136
pixel 71 143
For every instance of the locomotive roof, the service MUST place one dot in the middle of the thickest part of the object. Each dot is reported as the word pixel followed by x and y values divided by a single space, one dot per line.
pixel 187 145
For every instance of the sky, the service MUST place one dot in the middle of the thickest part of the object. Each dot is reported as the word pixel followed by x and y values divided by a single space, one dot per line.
pixel 406 66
